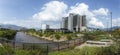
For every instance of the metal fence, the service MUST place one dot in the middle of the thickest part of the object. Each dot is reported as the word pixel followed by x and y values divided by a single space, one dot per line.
pixel 55 46
pixel 43 47
pixel 7 42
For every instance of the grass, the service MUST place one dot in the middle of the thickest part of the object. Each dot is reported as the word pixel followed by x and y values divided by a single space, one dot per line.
pixel 112 50
pixel 7 50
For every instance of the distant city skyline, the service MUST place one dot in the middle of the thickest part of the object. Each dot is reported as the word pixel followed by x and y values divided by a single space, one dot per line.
pixel 33 13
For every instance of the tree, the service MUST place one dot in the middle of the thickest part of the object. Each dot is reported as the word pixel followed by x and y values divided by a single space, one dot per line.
pixel 57 37
pixel 31 30
pixel 8 34
pixel 69 37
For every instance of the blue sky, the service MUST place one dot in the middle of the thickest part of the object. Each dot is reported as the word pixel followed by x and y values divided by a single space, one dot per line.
pixel 34 13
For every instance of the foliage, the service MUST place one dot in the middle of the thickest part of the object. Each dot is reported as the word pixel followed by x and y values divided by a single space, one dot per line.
pixel 96 35
pixel 112 50
pixel 5 50
pixel 28 52
pixel 57 36
pixel 87 36
pixel 32 30
pixel 21 52
pixel 69 37
pixel 7 33
pixel 116 34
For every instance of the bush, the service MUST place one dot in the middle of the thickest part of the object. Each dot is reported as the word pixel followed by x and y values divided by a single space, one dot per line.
pixel 111 50
pixel 57 36
pixel 5 50
pixel 21 52
pixel 8 34
pixel 69 37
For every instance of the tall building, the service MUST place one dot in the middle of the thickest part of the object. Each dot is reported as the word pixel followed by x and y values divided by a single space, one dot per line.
pixel 45 27
pixel 65 22
pixel 70 22
pixel 76 22
pixel 84 22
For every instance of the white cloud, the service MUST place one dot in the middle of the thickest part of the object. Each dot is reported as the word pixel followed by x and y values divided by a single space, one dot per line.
pixel 95 23
pixel 54 10
pixel 79 8
pixel 51 11
pixel 83 9
pixel 116 22
pixel 101 11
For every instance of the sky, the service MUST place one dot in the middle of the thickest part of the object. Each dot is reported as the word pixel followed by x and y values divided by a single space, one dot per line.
pixel 35 13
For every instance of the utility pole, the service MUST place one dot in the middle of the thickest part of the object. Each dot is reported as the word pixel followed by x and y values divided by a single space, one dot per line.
pixel 111 19
pixel 107 26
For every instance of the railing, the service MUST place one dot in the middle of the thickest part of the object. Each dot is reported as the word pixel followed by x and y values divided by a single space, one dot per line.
pixel 45 47
pixel 49 47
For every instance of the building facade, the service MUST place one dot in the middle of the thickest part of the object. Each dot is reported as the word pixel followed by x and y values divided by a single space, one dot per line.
pixel 65 22
pixel 45 27
pixel 75 22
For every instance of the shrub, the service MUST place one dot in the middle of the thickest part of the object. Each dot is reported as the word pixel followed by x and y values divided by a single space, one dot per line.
pixel 8 34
